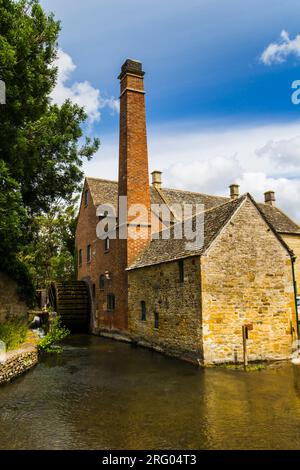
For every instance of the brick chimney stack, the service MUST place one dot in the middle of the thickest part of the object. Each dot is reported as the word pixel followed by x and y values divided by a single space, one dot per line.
pixel 270 198
pixel 133 153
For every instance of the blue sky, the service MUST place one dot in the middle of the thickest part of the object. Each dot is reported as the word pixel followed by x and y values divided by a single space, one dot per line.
pixel 213 105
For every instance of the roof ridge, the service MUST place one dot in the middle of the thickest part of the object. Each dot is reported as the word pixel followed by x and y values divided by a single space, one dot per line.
pixel 193 192
pixel 101 179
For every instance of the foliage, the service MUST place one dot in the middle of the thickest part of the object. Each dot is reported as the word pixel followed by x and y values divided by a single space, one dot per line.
pixel 13 232
pixel 13 332
pixel 38 139
pixel 50 254
pixel 41 148
pixel 57 332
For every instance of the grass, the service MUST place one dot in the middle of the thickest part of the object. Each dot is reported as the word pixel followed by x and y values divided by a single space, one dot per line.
pixel 254 367
pixel 13 333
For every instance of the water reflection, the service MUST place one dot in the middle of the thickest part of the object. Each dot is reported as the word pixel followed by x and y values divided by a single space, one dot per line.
pixel 101 394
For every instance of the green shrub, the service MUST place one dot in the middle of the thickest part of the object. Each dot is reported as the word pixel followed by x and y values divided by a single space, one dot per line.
pixel 13 332
pixel 56 333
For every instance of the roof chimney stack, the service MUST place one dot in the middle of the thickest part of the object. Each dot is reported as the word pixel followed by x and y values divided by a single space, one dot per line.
pixel 156 179
pixel 270 198
pixel 234 191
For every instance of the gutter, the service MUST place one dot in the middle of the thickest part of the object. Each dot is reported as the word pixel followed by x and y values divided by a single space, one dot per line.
pixel 295 294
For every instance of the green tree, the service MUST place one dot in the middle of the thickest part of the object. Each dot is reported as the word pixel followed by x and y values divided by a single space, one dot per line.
pixel 13 231
pixel 50 254
pixel 39 141
pixel 41 149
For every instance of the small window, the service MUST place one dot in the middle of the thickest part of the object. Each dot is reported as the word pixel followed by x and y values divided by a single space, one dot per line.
pixel 89 253
pixel 80 257
pixel 143 311
pixel 181 270
pixel 156 320
pixel 94 291
pixel 107 244
pixel 111 302
pixel 86 198
pixel 101 281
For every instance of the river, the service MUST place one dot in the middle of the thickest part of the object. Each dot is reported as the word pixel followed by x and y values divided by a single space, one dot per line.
pixel 102 394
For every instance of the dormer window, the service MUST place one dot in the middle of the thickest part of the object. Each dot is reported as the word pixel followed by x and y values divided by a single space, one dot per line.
pixel 86 198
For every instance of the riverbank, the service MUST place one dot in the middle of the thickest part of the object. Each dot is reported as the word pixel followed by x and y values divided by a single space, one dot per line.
pixel 20 360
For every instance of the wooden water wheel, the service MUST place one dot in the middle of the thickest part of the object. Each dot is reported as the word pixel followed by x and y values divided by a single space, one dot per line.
pixel 71 300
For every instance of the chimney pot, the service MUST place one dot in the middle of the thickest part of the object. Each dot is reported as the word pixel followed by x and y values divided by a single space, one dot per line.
pixel 156 179
pixel 234 191
pixel 270 198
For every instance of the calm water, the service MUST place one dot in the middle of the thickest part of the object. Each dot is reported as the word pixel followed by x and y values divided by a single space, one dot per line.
pixel 102 394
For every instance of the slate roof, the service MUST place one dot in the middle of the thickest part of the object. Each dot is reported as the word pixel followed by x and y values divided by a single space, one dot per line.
pixel 211 223
pixel 106 191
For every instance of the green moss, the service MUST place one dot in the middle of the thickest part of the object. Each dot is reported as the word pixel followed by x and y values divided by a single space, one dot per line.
pixel 13 333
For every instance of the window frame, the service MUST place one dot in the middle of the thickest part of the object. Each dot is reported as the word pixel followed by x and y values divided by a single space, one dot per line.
pixel 89 253
pixel 143 311
pixel 102 281
pixel 156 320
pixel 110 302
pixel 107 244
pixel 181 271
pixel 80 257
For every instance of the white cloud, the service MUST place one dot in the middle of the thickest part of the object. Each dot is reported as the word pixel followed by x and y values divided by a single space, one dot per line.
pixel 285 153
pixel 193 158
pixel 277 52
pixel 81 93
pixel 204 174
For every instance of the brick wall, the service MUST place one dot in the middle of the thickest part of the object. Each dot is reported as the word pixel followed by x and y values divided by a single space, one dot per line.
pixel 247 278
pixel 101 262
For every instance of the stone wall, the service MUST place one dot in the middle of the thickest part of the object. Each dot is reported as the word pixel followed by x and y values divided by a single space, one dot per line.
pixel 17 362
pixel 247 279
pixel 10 303
pixel 176 303
pixel 293 241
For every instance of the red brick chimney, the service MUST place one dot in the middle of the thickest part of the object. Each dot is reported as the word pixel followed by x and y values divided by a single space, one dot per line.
pixel 133 153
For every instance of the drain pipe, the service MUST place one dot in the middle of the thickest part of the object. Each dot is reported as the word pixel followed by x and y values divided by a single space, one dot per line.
pixel 295 294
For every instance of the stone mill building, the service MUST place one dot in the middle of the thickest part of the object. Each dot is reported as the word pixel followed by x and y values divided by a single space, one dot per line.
pixel 191 304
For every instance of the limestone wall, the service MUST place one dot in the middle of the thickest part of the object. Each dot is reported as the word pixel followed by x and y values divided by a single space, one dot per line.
pixel 18 362
pixel 177 305
pixel 247 278
pixel 10 303
pixel 293 241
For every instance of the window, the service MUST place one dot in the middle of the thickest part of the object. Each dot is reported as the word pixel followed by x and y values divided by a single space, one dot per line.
pixel 107 244
pixel 101 281
pixel 181 270
pixel 143 311
pixel 86 198
pixel 111 302
pixel 156 320
pixel 94 291
pixel 89 253
pixel 80 257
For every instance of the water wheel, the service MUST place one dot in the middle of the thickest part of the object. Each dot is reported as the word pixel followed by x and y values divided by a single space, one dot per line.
pixel 71 300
